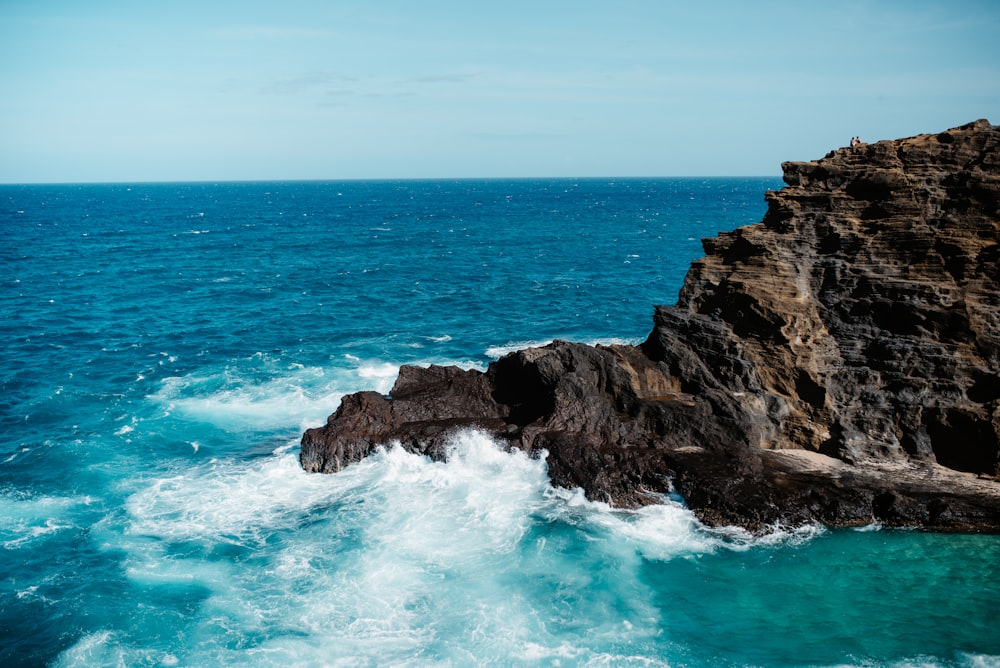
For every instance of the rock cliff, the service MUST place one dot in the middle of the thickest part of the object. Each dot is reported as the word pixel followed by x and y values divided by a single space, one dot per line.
pixel 837 362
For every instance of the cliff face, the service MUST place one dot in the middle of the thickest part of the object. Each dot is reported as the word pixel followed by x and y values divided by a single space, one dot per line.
pixel 839 361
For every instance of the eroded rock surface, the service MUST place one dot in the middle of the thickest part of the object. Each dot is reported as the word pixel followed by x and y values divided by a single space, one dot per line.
pixel 837 362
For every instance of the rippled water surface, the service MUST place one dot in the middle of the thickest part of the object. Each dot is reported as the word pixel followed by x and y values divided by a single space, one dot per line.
pixel 166 344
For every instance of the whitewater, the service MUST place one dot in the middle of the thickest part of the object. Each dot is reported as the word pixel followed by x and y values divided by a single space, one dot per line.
pixel 165 345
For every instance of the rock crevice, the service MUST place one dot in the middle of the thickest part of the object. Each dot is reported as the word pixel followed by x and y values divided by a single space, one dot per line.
pixel 837 362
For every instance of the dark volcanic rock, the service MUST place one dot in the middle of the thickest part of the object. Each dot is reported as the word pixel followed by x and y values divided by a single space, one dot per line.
pixel 837 362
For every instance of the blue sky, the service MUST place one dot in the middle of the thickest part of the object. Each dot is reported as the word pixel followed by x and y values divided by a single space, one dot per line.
pixel 102 90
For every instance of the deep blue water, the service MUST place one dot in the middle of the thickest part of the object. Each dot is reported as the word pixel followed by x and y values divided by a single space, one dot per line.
pixel 164 345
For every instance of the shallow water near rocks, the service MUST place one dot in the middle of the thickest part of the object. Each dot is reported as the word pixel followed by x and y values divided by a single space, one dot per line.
pixel 166 344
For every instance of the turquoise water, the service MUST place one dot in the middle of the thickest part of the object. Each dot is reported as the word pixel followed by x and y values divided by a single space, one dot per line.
pixel 166 344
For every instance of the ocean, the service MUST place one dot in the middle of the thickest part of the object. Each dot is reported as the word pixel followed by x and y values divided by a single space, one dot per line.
pixel 165 345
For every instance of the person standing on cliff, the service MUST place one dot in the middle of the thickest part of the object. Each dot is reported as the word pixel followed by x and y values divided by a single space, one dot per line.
pixel 855 141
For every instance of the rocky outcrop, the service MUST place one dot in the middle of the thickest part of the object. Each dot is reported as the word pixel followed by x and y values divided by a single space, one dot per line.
pixel 837 362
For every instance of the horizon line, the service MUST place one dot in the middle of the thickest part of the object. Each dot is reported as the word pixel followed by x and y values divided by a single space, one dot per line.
pixel 378 179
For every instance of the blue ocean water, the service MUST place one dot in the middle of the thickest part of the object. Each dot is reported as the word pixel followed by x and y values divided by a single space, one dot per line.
pixel 164 346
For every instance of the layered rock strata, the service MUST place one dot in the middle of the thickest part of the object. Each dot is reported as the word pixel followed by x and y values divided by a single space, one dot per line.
pixel 837 362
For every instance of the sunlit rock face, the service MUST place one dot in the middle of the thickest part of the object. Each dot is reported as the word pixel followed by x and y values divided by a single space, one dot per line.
pixel 837 362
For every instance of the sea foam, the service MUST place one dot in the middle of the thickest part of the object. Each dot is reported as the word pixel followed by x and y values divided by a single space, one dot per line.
pixel 399 556
pixel 265 392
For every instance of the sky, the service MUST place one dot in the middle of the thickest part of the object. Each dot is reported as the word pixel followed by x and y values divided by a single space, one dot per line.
pixel 128 91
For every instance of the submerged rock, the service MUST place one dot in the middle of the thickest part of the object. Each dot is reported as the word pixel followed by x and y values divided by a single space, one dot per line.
pixel 837 362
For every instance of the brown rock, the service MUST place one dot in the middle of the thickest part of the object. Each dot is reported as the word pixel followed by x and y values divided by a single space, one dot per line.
pixel 837 362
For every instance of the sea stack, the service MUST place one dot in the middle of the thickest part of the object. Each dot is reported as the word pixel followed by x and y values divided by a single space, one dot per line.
pixel 837 362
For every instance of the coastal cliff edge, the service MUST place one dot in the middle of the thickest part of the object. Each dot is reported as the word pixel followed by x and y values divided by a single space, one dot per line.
pixel 837 362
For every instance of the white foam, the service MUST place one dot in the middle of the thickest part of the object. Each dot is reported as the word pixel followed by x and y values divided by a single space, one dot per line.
pixel 534 653
pixel 269 405
pixel 869 528
pixel 496 352
pixel 261 393
pixel 31 532
pixel 379 371
pixel 614 341
pixel 660 531
pixel 127 428
pixel 270 393
pixel 25 520
pixel 980 661
pixel 105 648
pixel 364 555
pixel 229 501
pixel 482 499
pixel 775 535
pixel 491 491
pixel 397 556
